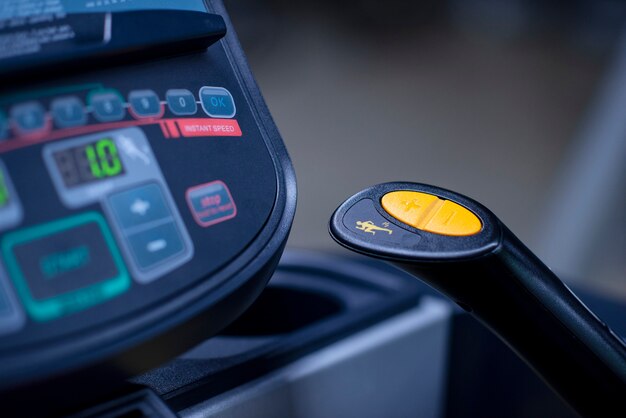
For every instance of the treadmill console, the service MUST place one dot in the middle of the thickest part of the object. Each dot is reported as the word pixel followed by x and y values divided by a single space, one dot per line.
pixel 143 206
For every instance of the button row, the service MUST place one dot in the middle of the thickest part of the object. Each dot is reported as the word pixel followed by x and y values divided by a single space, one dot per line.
pixel 108 106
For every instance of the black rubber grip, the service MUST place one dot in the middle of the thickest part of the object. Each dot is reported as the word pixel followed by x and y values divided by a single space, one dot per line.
pixel 502 283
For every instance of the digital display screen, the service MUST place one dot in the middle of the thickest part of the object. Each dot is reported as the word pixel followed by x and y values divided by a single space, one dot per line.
pixel 89 163
pixel 4 191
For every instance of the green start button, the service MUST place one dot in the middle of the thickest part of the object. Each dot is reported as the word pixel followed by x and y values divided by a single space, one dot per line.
pixel 65 266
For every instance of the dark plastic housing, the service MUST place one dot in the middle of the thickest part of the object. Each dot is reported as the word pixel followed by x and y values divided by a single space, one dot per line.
pixel 91 362
pixel 496 278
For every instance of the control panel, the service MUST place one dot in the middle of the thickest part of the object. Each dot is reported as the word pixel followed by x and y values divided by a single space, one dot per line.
pixel 134 199
pixel 117 224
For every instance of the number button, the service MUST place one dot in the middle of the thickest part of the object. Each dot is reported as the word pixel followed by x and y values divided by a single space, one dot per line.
pixel 181 102
pixel 145 104
pixel 68 112
pixel 107 106
pixel 29 118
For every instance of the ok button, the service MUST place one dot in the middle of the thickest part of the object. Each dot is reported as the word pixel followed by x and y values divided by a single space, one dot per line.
pixel 217 102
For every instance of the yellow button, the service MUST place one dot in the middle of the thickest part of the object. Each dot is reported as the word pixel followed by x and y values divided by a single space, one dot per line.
pixel 430 213
pixel 409 207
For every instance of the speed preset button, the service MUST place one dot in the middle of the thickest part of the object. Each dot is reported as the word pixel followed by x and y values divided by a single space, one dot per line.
pixel 29 118
pixel 181 102
pixel 430 213
pixel 68 112
pixel 364 220
pixel 145 104
pixel 107 105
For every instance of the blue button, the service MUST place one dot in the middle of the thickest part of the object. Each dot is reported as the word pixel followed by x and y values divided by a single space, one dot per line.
pixel 139 206
pixel 4 126
pixel 156 245
pixel 181 102
pixel 107 106
pixel 145 103
pixel 217 102
pixel 29 117
pixel 68 112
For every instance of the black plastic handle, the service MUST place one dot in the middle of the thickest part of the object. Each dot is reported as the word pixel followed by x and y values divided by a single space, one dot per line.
pixel 102 40
pixel 502 283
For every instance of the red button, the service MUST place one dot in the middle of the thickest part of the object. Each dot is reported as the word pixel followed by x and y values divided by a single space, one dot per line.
pixel 211 203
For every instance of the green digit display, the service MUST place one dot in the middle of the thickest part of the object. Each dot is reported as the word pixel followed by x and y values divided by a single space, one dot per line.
pixel 94 164
pixel 4 191
pixel 103 159
pixel 93 161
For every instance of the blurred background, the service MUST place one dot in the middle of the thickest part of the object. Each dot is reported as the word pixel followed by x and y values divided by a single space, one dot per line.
pixel 519 104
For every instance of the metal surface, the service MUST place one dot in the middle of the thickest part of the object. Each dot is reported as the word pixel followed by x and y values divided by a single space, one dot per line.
pixel 354 376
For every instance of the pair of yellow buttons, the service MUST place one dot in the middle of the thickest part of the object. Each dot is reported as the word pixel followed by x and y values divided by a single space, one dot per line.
pixel 430 213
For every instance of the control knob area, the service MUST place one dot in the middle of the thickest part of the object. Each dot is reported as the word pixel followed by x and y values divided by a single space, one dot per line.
pixel 460 248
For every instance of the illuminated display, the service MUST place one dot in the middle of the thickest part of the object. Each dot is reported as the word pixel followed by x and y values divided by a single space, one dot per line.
pixel 4 191
pixel 87 163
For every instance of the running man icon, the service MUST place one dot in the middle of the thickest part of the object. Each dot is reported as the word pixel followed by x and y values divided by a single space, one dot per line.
pixel 369 226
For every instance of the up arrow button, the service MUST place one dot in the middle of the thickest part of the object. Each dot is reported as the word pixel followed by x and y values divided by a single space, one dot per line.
pixel 139 206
